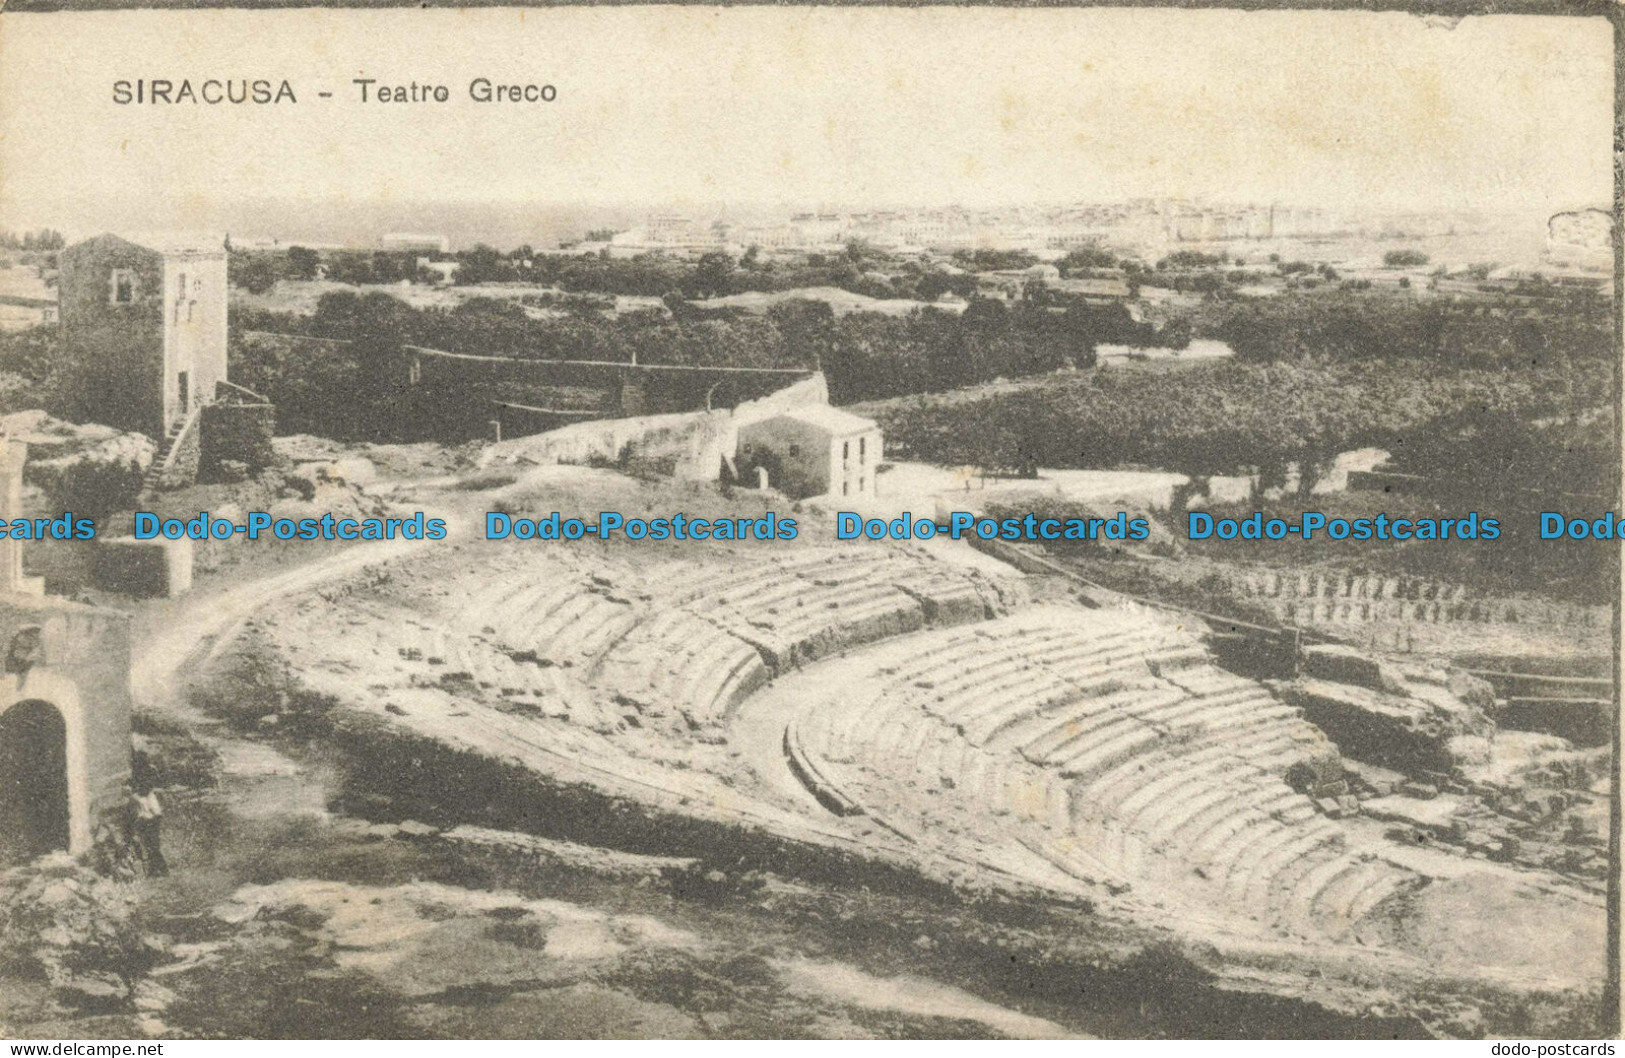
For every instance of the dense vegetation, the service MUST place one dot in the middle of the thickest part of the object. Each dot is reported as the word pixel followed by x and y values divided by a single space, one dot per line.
pixel 865 355
pixel 1486 428
pixel 1518 377
pixel 858 270
pixel 30 366
pixel 1535 325
pixel 1568 571
pixel 45 239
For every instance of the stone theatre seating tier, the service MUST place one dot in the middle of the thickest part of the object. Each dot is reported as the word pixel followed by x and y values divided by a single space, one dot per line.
pixel 695 638
pixel 1103 743
pixel 1110 741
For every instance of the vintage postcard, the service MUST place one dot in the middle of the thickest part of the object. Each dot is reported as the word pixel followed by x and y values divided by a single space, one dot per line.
pixel 827 522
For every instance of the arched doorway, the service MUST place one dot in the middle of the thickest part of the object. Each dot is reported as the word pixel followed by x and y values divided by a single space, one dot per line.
pixel 33 781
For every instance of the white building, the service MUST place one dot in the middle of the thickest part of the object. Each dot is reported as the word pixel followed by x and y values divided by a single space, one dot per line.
pixel 813 451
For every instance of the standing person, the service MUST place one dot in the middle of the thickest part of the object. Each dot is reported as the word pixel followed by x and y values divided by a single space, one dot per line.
pixel 149 817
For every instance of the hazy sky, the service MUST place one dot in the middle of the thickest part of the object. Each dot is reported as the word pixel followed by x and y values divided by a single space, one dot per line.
pixel 808 106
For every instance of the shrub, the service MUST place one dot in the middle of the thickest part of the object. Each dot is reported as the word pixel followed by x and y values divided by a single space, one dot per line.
pixel 94 489
pixel 1404 258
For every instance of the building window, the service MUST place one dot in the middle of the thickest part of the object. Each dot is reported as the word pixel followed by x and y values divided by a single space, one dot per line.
pixel 863 448
pixel 844 486
pixel 123 292
pixel 861 480
pixel 846 451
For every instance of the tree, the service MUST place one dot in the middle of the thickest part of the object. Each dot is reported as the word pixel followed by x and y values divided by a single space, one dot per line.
pixel 483 264
pixel 1177 334
pixel 252 272
pixel 994 260
pixel 712 276
pixel 933 286
pixel 95 489
pixel 35 354
pixel 1086 258
pixel 302 263
pixel 44 239
pixel 1188 259
pixel 1404 258
pixel 352 268
pixel 808 329
pixel 392 268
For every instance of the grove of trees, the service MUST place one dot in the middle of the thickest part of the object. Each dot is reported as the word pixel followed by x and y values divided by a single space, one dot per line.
pixel 1404 258
pixel 45 239
pixel 1514 332
pixel 858 270
pixel 1492 429
pixel 864 355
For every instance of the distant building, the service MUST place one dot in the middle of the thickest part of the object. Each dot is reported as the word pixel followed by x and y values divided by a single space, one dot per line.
pixel 144 321
pixel 416 243
pixel 813 451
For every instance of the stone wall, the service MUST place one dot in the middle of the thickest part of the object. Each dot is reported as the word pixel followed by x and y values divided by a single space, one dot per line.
pixel 144 569
pixel 691 444
pixel 1584 722
pixel 453 397
pixel 1412 718
pixel 238 433
pixel 181 466
pixel 1319 597
pixel 1374 727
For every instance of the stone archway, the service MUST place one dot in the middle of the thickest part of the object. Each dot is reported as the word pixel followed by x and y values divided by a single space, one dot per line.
pixel 49 688
pixel 34 800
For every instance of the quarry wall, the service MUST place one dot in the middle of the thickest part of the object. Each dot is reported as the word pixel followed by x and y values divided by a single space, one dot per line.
pixel 688 445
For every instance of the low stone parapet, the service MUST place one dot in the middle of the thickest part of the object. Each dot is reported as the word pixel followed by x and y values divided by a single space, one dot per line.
pixel 143 568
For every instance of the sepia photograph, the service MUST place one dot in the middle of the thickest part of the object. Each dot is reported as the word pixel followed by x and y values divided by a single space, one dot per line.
pixel 679 522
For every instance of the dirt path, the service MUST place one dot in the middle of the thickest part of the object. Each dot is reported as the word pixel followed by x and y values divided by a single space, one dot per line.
pixel 257 779
pixel 200 624
pixel 188 640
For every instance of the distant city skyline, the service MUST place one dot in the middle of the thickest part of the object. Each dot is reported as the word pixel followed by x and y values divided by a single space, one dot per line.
pixel 838 108
pixel 462 225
